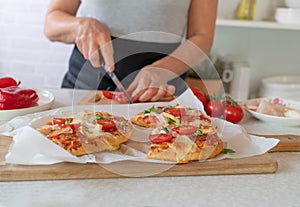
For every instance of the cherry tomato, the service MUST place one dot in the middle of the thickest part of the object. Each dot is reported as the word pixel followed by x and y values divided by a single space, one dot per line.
pixel 185 130
pixel 200 95
pixel 7 82
pixel 120 98
pixel 108 94
pixel 75 127
pixel 59 121
pixel 233 111
pixel 160 138
pixel 107 125
pixel 150 119
pixel 177 112
pixel 214 108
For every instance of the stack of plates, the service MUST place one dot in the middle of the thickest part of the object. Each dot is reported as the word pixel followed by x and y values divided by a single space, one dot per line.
pixel 287 87
pixel 289 15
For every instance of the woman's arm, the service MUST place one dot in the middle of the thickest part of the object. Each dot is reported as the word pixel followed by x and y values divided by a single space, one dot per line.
pixel 87 33
pixel 200 35
pixel 151 82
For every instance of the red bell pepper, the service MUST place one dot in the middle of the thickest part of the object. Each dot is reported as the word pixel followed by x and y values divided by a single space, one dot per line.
pixel 15 98
pixel 7 82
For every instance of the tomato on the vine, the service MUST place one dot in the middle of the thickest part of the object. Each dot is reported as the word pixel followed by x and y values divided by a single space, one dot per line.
pixel 200 95
pixel 233 111
pixel 214 108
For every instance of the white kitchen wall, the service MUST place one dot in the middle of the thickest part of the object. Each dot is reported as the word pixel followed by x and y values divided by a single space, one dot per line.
pixel 25 53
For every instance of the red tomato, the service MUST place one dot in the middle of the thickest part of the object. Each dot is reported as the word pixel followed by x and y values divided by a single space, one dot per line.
pixel 107 125
pixel 214 108
pixel 177 112
pixel 108 94
pixel 120 98
pixel 233 111
pixel 75 127
pixel 59 121
pixel 160 138
pixel 199 94
pixel 185 130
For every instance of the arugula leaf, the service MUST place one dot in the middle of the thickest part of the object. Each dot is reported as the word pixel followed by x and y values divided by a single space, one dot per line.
pixel 98 117
pixel 165 129
pixel 166 107
pixel 227 151
pixel 190 108
pixel 198 132
pixel 148 111
pixel 170 121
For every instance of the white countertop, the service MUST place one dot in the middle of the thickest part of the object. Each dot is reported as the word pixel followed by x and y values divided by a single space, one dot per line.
pixel 278 189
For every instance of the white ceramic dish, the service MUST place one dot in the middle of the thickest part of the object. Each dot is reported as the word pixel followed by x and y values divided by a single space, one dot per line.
pixel 46 100
pixel 287 87
pixel 286 121
pixel 293 4
pixel 287 16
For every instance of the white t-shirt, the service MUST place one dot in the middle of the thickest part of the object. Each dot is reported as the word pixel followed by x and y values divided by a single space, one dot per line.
pixel 144 20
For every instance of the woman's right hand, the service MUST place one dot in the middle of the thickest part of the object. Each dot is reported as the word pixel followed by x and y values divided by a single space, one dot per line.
pixel 93 37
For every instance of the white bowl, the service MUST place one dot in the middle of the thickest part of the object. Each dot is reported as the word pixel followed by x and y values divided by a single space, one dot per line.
pixel 281 86
pixel 287 16
pixel 293 4
pixel 286 121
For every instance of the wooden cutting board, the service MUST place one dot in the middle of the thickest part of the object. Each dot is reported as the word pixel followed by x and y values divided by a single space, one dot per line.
pixel 96 97
pixel 287 143
pixel 63 171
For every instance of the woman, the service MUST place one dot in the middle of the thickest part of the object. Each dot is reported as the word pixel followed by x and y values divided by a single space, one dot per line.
pixel 129 35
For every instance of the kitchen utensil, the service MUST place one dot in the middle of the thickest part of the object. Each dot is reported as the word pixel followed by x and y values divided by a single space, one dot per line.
pixel 120 86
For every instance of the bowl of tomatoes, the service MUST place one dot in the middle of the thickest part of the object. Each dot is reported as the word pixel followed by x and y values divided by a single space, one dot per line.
pixel 220 107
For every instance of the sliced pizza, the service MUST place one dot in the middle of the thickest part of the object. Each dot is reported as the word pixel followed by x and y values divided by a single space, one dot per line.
pixel 88 132
pixel 183 144
pixel 180 134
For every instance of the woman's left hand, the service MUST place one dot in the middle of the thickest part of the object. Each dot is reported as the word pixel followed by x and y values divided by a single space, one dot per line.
pixel 151 85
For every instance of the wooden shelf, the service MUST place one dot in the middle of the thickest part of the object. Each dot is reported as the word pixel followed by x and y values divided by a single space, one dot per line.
pixel 256 24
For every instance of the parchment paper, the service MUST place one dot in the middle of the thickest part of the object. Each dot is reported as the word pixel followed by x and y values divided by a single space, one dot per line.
pixel 32 148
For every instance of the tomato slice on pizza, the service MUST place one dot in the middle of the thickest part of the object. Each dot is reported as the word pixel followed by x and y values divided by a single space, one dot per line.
pixel 87 132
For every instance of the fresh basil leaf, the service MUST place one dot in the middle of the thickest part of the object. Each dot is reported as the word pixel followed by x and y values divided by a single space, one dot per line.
pixel 148 111
pixel 122 123
pixel 227 151
pixel 68 121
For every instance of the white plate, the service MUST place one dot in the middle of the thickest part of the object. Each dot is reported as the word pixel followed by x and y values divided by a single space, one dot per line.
pixel 287 121
pixel 46 100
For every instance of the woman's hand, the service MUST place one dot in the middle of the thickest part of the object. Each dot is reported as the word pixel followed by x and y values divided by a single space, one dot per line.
pixel 93 37
pixel 151 85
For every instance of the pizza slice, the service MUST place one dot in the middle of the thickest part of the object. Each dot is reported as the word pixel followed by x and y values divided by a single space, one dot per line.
pixel 149 118
pixel 88 132
pixel 183 144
